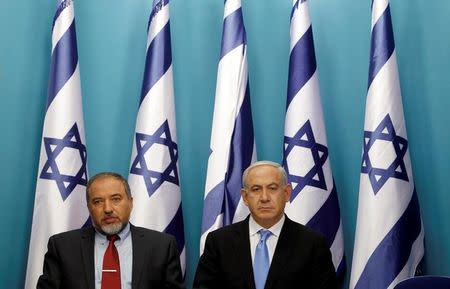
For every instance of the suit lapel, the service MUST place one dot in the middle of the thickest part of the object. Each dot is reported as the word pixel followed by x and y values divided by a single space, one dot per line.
pixel 87 251
pixel 242 247
pixel 281 254
pixel 139 255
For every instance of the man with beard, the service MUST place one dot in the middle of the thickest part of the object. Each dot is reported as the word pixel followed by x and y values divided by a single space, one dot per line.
pixel 113 254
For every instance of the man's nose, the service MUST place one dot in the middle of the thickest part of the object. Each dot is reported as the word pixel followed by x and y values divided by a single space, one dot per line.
pixel 265 195
pixel 107 207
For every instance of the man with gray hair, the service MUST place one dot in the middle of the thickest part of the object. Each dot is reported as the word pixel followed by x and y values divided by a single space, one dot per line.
pixel 267 249
pixel 113 254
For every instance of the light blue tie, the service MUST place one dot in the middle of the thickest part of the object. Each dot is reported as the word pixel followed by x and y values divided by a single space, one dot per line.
pixel 262 262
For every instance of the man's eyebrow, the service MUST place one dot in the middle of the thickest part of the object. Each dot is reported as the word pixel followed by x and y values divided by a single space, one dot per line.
pixel 255 186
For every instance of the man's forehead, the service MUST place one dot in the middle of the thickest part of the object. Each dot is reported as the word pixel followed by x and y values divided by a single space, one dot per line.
pixel 107 184
pixel 107 195
pixel 263 168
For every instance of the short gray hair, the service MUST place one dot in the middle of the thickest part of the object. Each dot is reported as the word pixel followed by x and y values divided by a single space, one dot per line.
pixel 109 175
pixel 265 163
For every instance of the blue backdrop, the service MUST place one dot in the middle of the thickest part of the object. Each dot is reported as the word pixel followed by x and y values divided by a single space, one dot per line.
pixel 111 45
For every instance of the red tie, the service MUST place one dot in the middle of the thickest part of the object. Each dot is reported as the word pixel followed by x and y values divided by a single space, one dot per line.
pixel 111 266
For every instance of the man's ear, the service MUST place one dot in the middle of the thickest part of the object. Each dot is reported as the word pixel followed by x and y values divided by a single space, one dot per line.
pixel 244 196
pixel 287 192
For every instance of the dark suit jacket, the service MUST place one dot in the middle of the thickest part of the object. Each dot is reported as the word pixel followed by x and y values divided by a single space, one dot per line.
pixel 301 260
pixel 69 261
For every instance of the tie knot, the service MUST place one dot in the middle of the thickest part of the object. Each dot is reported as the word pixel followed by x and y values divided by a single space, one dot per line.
pixel 264 234
pixel 112 238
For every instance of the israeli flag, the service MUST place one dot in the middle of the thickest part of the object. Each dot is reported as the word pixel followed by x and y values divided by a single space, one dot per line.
pixel 60 202
pixel 153 177
pixel 314 199
pixel 389 232
pixel 232 140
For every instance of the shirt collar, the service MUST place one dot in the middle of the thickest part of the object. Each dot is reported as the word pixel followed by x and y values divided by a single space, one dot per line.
pixel 254 227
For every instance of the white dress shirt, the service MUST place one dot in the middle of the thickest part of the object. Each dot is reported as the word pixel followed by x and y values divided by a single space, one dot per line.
pixel 271 241
pixel 125 251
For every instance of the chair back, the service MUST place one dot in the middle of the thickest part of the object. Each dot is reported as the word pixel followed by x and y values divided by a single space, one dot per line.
pixel 425 282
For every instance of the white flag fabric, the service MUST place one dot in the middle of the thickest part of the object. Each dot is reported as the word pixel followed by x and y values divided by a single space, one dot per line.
pixel 60 202
pixel 232 139
pixel 389 233
pixel 153 177
pixel 314 201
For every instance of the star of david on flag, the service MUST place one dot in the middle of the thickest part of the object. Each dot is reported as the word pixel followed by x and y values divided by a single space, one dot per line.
pixel 389 234
pixel 304 138
pixel 314 201
pixel 55 149
pixel 60 199
pixel 384 132
pixel 154 178
pixel 153 146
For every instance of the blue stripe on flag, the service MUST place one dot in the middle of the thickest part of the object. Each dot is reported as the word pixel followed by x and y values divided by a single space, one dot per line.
pixel 302 64
pixel 60 6
pixel 158 60
pixel 294 8
pixel 156 7
pixel 395 247
pixel 327 219
pixel 382 44
pixel 240 157
pixel 233 33
pixel 64 62
pixel 176 228
pixel 341 268
pixel 212 206
pixel 88 223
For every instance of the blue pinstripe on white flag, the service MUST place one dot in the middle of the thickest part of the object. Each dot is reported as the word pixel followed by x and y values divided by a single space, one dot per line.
pixel 389 233
pixel 232 140
pixel 60 202
pixel 153 176
pixel 314 199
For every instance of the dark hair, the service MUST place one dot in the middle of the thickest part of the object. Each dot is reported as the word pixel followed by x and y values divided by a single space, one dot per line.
pixel 109 175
